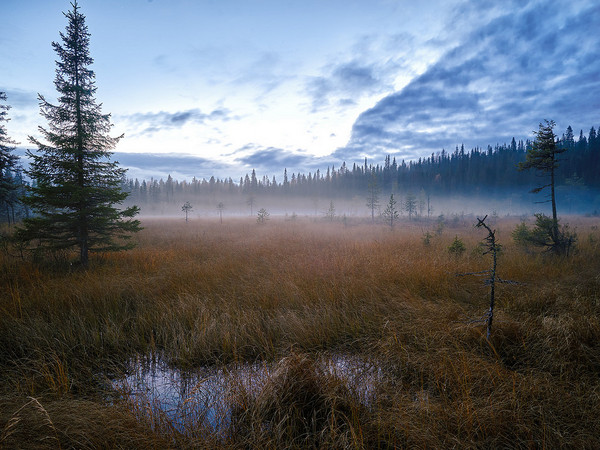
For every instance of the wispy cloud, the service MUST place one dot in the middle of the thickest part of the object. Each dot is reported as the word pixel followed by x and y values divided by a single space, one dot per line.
pixel 19 98
pixel 345 82
pixel 152 122
pixel 272 157
pixel 273 160
pixel 369 68
pixel 500 81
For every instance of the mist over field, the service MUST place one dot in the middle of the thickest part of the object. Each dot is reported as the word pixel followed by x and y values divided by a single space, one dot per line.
pixel 506 204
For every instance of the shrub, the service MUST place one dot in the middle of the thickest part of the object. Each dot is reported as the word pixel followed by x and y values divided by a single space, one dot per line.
pixel 263 215
pixel 522 236
pixel 427 238
pixel 457 248
pixel 542 235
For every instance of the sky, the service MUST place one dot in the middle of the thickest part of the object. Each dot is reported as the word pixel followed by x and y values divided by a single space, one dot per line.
pixel 221 87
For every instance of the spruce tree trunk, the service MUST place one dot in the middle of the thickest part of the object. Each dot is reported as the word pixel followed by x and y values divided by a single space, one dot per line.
pixel 83 255
pixel 83 231
pixel 492 284
pixel 554 215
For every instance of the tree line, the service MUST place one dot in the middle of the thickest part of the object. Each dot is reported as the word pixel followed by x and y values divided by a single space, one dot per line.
pixel 491 171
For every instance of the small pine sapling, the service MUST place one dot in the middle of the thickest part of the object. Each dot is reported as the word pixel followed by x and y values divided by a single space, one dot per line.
pixel 457 248
pixel 391 213
pixel 263 215
pixel 186 208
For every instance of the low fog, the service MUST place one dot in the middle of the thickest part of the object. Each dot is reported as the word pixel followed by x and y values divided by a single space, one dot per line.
pixel 508 203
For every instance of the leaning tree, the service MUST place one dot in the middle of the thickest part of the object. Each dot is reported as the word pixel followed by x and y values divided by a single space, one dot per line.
pixel 543 157
pixel 77 190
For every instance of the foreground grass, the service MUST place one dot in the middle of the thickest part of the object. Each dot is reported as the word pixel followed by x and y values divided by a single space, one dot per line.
pixel 204 293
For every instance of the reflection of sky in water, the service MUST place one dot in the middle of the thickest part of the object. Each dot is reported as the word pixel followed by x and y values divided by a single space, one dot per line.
pixel 206 395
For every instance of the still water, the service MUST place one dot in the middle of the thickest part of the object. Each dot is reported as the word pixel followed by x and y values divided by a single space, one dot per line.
pixel 205 395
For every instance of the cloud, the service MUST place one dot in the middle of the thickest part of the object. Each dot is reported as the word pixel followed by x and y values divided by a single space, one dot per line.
pixel 18 98
pixel 345 81
pixel 159 165
pixel 369 68
pixel 149 123
pixel 267 159
pixel 506 76
pixel 373 65
pixel 273 157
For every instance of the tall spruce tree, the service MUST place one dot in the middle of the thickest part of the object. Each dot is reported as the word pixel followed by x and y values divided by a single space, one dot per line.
pixel 543 157
pixel 77 187
pixel 9 164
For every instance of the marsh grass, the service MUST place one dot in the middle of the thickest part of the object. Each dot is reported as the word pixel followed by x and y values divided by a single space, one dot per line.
pixel 204 293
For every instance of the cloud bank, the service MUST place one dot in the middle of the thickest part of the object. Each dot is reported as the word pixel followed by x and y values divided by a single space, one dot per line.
pixel 538 61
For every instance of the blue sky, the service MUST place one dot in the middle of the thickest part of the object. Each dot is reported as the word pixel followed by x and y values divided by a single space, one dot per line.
pixel 221 87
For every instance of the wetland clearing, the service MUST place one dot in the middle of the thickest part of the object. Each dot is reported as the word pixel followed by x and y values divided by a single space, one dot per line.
pixel 302 333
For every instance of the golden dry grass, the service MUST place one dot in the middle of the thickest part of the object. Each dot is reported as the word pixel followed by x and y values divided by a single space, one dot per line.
pixel 205 293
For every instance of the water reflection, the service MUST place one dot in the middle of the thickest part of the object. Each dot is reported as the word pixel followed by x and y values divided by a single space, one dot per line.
pixel 206 395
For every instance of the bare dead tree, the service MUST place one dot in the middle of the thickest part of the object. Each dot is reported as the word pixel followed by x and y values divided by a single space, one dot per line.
pixel 492 248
